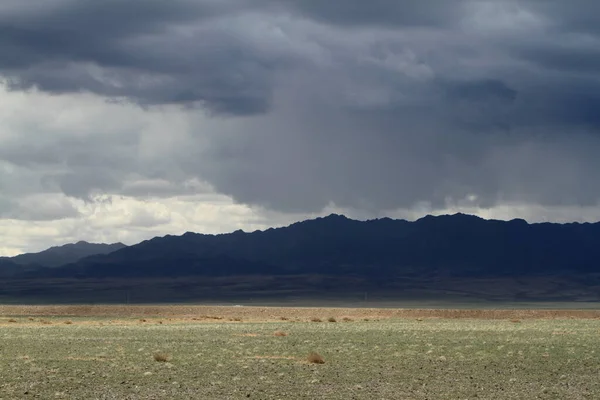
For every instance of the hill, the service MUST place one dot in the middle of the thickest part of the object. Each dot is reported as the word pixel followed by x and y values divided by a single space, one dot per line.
pixel 61 255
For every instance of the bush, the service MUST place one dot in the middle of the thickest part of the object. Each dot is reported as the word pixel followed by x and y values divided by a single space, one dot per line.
pixel 161 357
pixel 316 319
pixel 315 358
pixel 331 319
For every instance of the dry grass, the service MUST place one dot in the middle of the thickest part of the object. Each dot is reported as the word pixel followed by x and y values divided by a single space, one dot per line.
pixel 515 321
pixel 315 358
pixel 236 319
pixel 211 317
pixel 46 322
pixel 128 314
pixel 280 333
pixel 162 357
pixel 331 319
pixel 362 360
pixel 315 319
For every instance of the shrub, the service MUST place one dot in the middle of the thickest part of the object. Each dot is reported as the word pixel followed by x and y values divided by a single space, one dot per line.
pixel 346 319
pixel 211 317
pixel 331 319
pixel 161 357
pixel 284 318
pixel 316 319
pixel 315 358
pixel 12 320
pixel 68 322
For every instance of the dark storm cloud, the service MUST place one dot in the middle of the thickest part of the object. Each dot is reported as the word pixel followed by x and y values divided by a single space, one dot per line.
pixel 375 12
pixel 368 104
pixel 133 50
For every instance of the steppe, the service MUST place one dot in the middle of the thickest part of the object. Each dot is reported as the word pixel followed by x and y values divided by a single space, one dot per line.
pixel 235 352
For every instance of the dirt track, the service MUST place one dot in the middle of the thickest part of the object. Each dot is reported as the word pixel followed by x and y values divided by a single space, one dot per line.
pixel 210 313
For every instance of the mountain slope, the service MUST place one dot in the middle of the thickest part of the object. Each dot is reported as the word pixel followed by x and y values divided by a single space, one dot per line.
pixel 61 255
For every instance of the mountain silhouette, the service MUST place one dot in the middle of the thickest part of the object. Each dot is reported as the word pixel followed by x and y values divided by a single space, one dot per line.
pixel 61 255
pixel 452 244
pixel 449 252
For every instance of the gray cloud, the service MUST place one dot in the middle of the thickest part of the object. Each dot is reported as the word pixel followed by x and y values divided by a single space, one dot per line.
pixel 149 52
pixel 391 13
pixel 37 208
pixel 370 105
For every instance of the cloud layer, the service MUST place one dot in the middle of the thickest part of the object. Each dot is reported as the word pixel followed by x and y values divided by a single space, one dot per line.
pixel 294 106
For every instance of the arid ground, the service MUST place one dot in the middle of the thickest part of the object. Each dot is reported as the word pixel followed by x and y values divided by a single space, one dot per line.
pixel 209 352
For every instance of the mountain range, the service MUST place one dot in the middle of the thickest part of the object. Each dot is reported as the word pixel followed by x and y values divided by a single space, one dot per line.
pixel 446 255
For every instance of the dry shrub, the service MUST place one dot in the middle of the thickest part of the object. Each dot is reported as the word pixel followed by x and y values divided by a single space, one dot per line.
pixel 515 321
pixel 346 319
pixel 12 320
pixel 68 322
pixel 46 322
pixel 142 320
pixel 280 333
pixel 284 318
pixel 161 357
pixel 366 319
pixel 30 318
pixel 420 319
pixel 316 319
pixel 315 358
pixel 331 319
pixel 236 319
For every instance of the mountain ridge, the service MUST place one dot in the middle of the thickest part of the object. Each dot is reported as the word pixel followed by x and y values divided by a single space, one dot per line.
pixel 434 256
pixel 308 239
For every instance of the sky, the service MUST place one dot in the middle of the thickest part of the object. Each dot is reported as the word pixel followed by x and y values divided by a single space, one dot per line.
pixel 122 120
